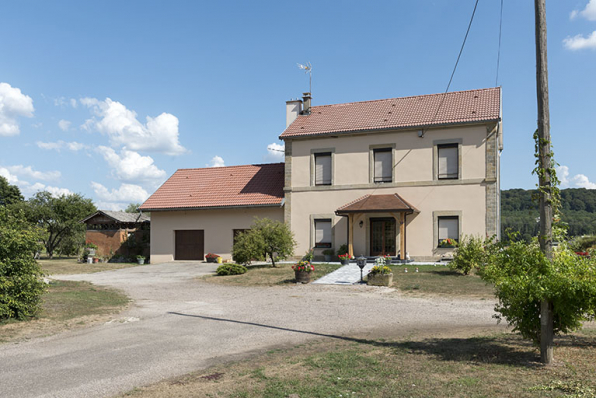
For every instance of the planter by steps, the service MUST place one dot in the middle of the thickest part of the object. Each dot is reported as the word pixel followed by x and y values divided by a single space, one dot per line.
pixel 345 261
pixel 380 279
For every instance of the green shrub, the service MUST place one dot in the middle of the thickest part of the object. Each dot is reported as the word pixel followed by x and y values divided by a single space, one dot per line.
pixel 523 277
pixel 21 284
pixel 471 254
pixel 231 269
pixel 265 239
pixel 583 243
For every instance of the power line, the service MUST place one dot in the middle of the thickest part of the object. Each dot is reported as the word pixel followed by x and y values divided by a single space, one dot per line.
pixel 461 50
pixel 499 51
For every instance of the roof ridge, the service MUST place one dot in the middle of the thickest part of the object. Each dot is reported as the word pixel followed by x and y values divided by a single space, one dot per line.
pixel 406 97
pixel 230 167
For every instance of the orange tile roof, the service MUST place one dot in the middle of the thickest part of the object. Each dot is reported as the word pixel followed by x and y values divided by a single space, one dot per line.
pixel 397 113
pixel 235 186
pixel 377 203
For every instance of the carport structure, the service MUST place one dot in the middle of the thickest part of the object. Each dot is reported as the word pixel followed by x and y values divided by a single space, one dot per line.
pixel 383 237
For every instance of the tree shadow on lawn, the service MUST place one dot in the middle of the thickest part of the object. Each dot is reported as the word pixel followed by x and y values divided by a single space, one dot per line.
pixel 507 350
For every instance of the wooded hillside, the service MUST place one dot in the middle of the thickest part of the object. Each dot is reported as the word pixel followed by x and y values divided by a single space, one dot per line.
pixel 520 212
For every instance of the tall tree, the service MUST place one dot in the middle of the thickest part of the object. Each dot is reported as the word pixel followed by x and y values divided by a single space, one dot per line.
pixel 132 208
pixel 9 194
pixel 59 217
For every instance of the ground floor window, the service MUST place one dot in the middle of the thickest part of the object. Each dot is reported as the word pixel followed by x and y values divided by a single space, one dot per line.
pixel 448 230
pixel 323 233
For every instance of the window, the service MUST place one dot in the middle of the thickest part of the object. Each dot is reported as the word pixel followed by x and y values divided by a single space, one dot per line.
pixel 448 161
pixel 448 228
pixel 323 168
pixel 383 165
pixel 323 233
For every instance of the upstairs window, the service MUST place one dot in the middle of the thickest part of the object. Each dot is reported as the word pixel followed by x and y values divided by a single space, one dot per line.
pixel 323 168
pixel 383 165
pixel 448 229
pixel 448 161
pixel 323 233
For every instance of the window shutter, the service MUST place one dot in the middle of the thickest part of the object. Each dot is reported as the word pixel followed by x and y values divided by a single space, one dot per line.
pixel 322 231
pixel 448 162
pixel 323 169
pixel 383 172
pixel 448 228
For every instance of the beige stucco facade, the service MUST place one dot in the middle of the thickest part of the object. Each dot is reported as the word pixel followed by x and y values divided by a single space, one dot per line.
pixel 218 226
pixel 473 197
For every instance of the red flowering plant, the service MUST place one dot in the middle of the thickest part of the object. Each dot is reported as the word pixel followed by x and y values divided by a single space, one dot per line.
pixel 343 256
pixel 448 243
pixel 212 255
pixel 303 266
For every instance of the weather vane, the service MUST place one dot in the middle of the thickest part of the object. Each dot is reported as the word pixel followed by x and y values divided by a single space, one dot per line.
pixel 307 69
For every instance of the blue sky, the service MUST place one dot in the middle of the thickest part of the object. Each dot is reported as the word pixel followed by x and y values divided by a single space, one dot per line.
pixel 109 98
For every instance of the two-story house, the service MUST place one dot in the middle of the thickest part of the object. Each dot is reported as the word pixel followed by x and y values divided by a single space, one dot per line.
pixel 384 177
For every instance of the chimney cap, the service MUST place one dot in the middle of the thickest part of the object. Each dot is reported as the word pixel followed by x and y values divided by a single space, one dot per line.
pixel 306 94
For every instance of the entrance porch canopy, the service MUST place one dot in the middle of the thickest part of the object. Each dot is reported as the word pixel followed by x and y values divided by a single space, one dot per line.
pixel 391 203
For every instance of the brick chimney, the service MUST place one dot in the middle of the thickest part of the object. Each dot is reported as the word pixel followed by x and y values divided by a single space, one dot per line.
pixel 293 109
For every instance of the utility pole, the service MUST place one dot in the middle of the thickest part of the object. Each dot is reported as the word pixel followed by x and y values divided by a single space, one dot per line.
pixel 544 175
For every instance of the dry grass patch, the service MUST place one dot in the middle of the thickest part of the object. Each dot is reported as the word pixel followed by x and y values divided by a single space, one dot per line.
pixel 491 366
pixel 69 265
pixel 439 280
pixel 66 305
pixel 265 275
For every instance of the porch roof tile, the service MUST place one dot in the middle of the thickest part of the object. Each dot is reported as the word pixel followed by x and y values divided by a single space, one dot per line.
pixel 377 204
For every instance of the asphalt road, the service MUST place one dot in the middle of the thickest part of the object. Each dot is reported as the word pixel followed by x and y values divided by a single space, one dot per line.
pixel 179 324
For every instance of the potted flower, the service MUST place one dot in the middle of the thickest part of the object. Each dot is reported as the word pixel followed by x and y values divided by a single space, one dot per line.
pixel 380 274
pixel 328 253
pixel 91 248
pixel 448 243
pixel 211 257
pixel 303 271
pixel 140 259
pixel 344 258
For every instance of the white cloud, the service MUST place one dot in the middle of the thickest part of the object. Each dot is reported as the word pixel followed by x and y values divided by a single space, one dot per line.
pixel 55 191
pixel 73 103
pixel 13 104
pixel 129 166
pixel 158 134
pixel 580 42
pixel 578 180
pixel 114 206
pixel 588 13
pixel 11 178
pixel 30 190
pixel 28 171
pixel 64 125
pixel 216 161
pixel 275 152
pixel 127 193
pixel 58 145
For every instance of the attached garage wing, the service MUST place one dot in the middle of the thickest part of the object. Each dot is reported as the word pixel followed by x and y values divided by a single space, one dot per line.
pixel 190 245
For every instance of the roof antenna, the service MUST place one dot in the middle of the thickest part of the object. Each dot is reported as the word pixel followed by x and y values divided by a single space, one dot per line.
pixel 307 69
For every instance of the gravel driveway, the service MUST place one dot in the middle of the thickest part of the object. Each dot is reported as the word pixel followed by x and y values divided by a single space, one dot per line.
pixel 179 324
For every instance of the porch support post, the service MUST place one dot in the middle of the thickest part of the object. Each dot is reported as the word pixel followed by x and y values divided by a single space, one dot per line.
pixel 397 238
pixel 351 235
pixel 402 235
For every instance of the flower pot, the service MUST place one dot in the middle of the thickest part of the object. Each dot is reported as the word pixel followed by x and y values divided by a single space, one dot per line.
pixel 89 260
pixel 302 276
pixel 327 257
pixel 380 279
pixel 345 261
pixel 95 260
pixel 91 252
pixel 219 260
pixel 141 261
pixel 211 259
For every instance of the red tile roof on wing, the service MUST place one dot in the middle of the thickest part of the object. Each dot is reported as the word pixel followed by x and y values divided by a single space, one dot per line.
pixel 377 203
pixel 398 113
pixel 235 186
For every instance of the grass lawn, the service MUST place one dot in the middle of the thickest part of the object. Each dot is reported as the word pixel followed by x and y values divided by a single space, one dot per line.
pixel 69 265
pixel 502 365
pixel 430 279
pixel 439 280
pixel 66 304
pixel 265 275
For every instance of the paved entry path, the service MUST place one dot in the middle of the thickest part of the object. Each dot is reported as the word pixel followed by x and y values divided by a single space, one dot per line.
pixel 346 275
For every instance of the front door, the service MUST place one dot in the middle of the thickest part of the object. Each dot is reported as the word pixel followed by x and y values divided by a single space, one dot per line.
pixel 382 236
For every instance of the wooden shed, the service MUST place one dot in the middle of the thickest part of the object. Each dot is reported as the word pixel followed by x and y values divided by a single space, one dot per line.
pixel 117 233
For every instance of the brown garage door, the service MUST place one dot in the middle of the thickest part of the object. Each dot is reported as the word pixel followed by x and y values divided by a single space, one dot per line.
pixel 189 245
